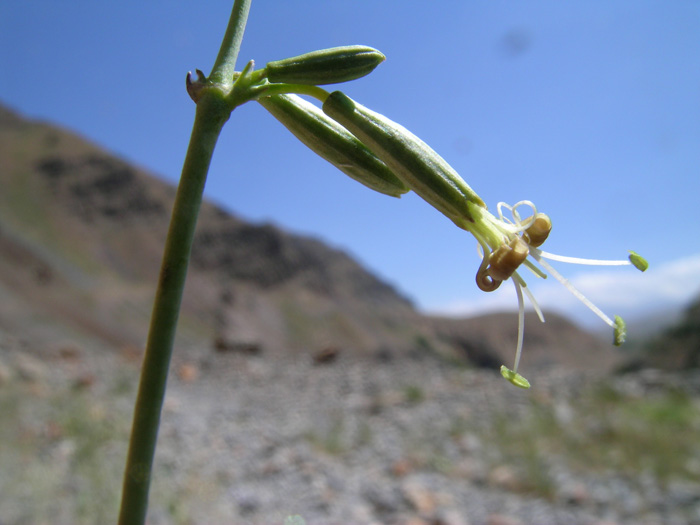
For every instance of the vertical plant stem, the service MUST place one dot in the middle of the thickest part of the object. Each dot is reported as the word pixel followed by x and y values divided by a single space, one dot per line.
pixel 166 309
pixel 212 113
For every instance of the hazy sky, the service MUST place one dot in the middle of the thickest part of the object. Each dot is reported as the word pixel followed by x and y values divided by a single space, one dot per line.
pixel 590 109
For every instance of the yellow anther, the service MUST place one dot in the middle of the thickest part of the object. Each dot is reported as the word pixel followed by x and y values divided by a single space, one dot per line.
pixel 507 258
pixel 485 282
pixel 538 231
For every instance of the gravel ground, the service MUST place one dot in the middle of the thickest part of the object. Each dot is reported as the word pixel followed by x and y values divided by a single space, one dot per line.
pixel 254 440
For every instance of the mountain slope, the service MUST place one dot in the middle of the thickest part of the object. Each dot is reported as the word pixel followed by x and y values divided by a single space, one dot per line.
pixel 86 228
pixel 677 347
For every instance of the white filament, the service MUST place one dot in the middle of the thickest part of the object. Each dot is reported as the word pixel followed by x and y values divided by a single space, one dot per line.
pixel 533 301
pixel 563 280
pixel 577 260
pixel 521 324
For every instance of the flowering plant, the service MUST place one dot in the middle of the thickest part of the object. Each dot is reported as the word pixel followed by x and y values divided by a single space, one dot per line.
pixel 365 145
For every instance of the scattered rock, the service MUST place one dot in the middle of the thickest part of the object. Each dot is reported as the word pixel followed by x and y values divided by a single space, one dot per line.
pixel 188 372
pixel 172 404
pixel 43 275
pixel 384 355
pixel 505 477
pixel 683 494
pixel 224 345
pixel 247 500
pixel 131 353
pixel 53 431
pixel 250 430
pixel 450 517
pixel 402 467
pixel 472 469
pixel 419 497
pixel 5 373
pixel 414 520
pixel 574 493
pixel 29 368
pixel 85 381
pixel 502 519
pixel 326 355
pixel 70 353
pixel 383 499
pixel 470 443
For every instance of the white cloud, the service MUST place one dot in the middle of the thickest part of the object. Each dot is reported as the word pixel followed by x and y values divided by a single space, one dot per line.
pixel 622 291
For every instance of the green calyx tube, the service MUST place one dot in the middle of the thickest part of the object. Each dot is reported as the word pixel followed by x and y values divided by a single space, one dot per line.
pixel 329 140
pixel 408 157
pixel 326 66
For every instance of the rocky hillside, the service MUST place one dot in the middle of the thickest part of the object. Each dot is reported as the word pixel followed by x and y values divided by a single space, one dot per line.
pixel 81 234
pixel 489 341
pixel 82 227
pixel 675 348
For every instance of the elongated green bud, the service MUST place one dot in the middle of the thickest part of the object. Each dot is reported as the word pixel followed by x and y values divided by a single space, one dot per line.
pixel 326 66
pixel 334 143
pixel 408 157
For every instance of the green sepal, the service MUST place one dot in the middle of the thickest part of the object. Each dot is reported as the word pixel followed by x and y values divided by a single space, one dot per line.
pixel 620 331
pixel 408 157
pixel 639 262
pixel 326 66
pixel 325 137
pixel 514 377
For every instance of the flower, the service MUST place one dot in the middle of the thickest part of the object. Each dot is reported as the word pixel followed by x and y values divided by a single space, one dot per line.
pixel 507 243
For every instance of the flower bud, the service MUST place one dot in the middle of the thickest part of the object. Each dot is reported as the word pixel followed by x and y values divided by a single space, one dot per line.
pixel 329 140
pixel 326 66
pixel 408 157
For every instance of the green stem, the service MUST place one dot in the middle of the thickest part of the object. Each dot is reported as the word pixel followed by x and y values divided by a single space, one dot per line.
pixel 166 309
pixel 212 113
pixel 225 64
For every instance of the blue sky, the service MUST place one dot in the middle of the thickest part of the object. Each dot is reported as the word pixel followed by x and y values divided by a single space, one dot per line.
pixel 590 109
